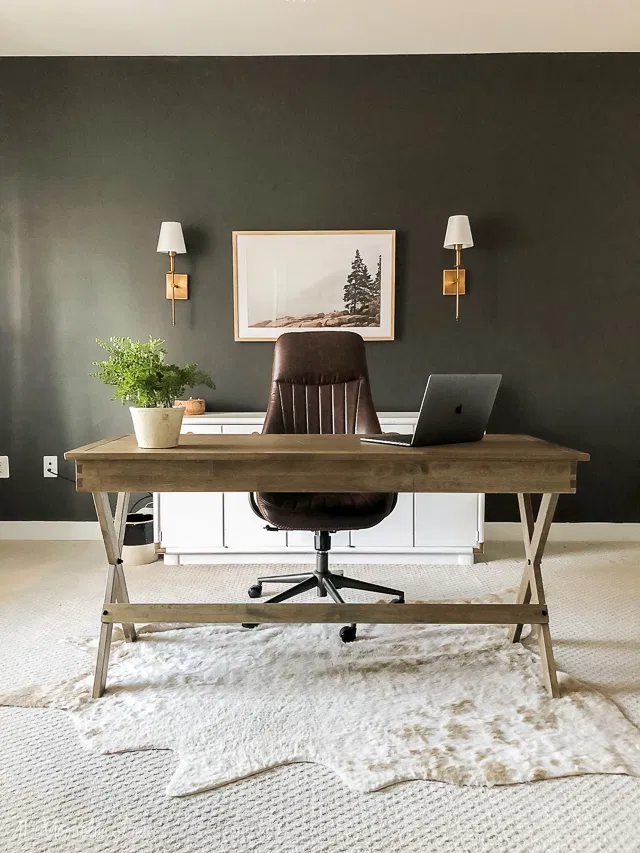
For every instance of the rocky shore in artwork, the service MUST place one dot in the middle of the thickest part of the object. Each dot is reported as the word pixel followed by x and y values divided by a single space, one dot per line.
pixel 367 316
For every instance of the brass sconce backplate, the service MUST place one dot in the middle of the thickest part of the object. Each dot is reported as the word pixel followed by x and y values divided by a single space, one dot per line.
pixel 181 281
pixel 449 282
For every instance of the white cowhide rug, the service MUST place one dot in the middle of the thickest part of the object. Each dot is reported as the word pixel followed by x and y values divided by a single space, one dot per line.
pixel 453 703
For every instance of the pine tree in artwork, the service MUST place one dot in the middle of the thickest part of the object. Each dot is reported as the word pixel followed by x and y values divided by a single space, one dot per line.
pixel 357 290
pixel 376 288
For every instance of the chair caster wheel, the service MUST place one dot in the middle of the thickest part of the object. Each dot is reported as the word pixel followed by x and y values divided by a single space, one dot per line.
pixel 255 591
pixel 348 633
pixel 397 601
pixel 249 624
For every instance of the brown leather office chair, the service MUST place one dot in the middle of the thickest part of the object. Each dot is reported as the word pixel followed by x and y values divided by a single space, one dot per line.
pixel 320 384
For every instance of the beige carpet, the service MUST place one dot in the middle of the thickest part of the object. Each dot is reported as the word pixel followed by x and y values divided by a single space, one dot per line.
pixel 54 797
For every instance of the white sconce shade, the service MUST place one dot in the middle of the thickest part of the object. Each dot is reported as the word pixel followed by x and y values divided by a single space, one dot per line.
pixel 458 232
pixel 171 238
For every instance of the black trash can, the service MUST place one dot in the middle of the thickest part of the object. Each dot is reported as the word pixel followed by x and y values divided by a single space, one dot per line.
pixel 139 547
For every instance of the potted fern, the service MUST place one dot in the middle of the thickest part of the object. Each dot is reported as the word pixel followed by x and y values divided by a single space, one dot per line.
pixel 150 386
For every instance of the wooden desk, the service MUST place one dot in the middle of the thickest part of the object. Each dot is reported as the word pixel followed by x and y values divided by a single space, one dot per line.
pixel 508 464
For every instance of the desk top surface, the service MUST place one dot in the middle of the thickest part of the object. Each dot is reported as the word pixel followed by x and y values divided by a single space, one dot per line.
pixel 492 448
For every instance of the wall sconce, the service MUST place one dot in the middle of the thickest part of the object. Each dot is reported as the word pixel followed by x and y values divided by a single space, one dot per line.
pixel 458 237
pixel 171 240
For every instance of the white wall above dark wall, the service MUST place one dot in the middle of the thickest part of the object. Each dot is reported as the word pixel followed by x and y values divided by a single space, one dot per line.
pixel 311 27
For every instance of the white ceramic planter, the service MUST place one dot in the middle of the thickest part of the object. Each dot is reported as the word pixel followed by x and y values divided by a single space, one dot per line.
pixel 156 428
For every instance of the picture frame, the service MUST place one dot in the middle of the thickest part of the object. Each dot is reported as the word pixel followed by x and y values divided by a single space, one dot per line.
pixel 287 281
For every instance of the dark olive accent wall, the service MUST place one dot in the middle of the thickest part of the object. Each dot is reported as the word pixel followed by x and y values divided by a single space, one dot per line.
pixel 540 150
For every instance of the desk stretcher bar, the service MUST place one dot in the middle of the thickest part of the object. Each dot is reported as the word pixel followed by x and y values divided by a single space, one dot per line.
pixel 384 613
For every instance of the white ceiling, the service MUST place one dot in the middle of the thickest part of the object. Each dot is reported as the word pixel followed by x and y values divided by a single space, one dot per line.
pixel 286 27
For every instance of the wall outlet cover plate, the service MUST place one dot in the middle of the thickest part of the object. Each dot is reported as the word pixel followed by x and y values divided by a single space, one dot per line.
pixel 50 466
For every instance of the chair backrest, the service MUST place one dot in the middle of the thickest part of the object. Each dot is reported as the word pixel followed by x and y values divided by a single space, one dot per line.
pixel 320 384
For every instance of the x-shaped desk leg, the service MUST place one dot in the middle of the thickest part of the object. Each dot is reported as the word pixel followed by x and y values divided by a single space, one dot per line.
pixel 112 529
pixel 535 536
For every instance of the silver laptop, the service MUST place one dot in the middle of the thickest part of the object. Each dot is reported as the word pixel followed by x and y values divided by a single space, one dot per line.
pixel 455 408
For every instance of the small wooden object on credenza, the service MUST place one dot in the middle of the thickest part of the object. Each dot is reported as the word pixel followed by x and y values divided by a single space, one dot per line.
pixel 191 406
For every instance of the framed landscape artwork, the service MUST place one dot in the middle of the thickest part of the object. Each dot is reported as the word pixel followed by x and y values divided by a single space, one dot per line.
pixel 287 281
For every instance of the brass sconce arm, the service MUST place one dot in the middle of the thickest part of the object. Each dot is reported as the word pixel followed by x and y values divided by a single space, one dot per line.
pixel 454 281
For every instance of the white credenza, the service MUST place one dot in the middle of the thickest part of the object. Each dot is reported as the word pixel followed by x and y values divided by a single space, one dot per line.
pixel 215 527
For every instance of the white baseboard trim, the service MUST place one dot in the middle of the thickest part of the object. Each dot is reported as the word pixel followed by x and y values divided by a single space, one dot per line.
pixel 52 530
pixel 591 531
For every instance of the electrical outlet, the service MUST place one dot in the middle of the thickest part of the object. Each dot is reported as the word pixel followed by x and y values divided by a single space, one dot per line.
pixel 50 466
pixel 4 466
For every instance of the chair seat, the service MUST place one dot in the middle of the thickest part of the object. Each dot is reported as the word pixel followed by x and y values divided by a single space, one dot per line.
pixel 325 511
